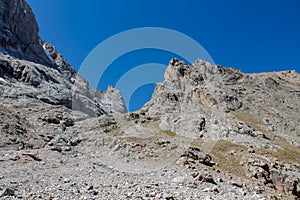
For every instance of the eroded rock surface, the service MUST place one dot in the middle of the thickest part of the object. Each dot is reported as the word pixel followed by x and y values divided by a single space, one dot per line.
pixel 213 102
pixel 19 32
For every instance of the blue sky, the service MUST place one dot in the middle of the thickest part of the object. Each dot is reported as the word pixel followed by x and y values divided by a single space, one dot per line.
pixel 253 36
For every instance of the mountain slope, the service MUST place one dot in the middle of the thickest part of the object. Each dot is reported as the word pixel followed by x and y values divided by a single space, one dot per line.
pixel 211 98
pixel 46 75
pixel 208 132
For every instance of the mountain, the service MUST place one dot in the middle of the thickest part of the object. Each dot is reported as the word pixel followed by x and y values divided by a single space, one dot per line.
pixel 196 100
pixel 47 76
pixel 19 32
pixel 208 132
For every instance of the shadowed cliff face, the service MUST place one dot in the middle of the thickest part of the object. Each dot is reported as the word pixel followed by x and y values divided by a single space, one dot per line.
pixel 19 32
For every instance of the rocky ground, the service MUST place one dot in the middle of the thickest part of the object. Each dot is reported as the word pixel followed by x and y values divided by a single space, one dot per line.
pixel 50 152
pixel 207 133
pixel 78 176
pixel 200 137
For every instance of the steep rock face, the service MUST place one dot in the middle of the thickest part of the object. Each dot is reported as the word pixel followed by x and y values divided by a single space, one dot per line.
pixel 19 32
pixel 61 64
pixel 212 102
pixel 25 84
pixel 46 76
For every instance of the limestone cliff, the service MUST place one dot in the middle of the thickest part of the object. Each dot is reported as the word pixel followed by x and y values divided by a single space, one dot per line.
pixel 47 76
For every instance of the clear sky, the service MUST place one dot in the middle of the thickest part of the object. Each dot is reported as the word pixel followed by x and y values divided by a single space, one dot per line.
pixel 253 35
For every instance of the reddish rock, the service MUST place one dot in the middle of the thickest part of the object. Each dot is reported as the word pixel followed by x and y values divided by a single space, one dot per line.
pixel 285 183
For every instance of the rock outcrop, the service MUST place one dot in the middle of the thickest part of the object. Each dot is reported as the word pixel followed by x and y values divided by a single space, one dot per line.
pixel 212 102
pixel 19 32
pixel 46 76
pixel 30 83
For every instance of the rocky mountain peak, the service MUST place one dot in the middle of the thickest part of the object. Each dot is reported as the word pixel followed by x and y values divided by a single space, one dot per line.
pixel 190 94
pixel 19 32
pixel 46 75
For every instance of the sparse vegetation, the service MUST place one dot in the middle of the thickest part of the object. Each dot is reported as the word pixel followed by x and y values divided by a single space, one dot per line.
pixel 169 133
pixel 286 152
pixel 226 161
pixel 253 121
pixel 115 132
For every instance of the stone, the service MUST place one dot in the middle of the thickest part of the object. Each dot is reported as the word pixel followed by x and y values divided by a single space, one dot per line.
pixel 206 179
pixel 196 154
pixel 66 180
pixel 69 122
pixel 285 183
pixel 7 192
pixel 15 158
pixel 182 161
pixel 208 190
pixel 180 179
